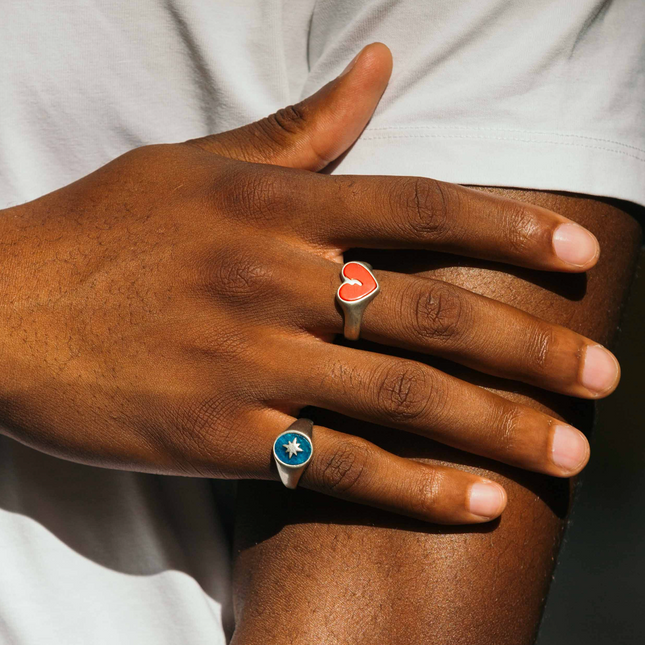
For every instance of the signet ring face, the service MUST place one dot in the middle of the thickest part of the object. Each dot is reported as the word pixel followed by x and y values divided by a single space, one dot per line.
pixel 358 288
pixel 293 450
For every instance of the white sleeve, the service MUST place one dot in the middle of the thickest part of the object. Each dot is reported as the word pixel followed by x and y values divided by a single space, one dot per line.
pixel 547 95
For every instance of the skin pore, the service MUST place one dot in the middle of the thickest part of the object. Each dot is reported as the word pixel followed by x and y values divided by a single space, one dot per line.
pixel 313 570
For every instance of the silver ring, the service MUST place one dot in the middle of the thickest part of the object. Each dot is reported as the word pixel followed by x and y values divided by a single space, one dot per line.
pixel 293 450
pixel 358 289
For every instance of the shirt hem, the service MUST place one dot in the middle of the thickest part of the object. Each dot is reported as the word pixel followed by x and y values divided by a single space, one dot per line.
pixel 502 157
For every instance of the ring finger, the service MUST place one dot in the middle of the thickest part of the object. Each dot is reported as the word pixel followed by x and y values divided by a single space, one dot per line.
pixel 435 317
pixel 409 395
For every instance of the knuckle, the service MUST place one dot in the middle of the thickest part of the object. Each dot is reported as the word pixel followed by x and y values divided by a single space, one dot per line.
pixel 438 311
pixel 403 392
pixel 152 162
pixel 239 275
pixel 253 196
pixel 521 228
pixel 539 345
pixel 202 427
pixel 343 467
pixel 429 490
pixel 208 418
pixel 289 120
pixel 275 131
pixel 426 204
pixel 508 429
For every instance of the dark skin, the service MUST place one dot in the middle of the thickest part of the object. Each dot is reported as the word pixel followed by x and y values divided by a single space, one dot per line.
pixel 172 312
pixel 176 306
pixel 364 576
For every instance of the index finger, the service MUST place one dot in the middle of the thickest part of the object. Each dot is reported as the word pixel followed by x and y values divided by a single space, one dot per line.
pixel 415 212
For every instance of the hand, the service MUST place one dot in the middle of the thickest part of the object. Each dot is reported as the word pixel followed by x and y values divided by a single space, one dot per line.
pixel 171 313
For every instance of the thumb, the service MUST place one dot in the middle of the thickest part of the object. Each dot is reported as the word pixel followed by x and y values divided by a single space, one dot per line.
pixel 313 133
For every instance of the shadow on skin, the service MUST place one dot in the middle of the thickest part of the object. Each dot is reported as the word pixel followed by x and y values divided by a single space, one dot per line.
pixel 571 286
pixel 303 506
pixel 479 584
pixel 309 507
pixel 60 499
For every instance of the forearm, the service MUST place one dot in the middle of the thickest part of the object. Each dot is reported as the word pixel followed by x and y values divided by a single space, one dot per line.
pixel 337 573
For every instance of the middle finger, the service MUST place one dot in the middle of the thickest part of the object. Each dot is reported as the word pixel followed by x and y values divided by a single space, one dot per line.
pixel 435 317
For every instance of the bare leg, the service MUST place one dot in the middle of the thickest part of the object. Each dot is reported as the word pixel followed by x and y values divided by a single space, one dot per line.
pixel 311 569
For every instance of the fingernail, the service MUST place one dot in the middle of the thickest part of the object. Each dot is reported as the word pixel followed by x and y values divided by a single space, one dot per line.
pixel 351 64
pixel 600 370
pixel 570 448
pixel 574 244
pixel 486 499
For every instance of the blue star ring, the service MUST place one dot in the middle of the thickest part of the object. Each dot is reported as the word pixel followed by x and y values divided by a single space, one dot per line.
pixel 293 450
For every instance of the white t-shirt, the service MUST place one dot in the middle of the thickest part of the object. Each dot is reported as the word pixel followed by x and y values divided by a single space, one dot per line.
pixel 547 95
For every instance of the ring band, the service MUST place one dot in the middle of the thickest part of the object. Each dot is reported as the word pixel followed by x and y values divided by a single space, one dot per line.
pixel 358 288
pixel 293 450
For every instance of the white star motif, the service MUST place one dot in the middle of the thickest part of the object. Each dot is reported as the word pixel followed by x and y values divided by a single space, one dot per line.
pixel 292 447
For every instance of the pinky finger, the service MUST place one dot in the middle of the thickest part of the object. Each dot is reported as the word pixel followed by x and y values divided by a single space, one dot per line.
pixel 356 470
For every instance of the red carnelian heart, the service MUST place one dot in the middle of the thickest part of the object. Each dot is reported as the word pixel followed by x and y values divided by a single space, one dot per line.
pixel 366 283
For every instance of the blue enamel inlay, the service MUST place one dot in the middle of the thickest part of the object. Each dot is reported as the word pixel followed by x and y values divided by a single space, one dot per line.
pixel 282 454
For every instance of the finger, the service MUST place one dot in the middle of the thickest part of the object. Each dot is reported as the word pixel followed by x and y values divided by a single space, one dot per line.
pixel 438 318
pixel 444 320
pixel 410 396
pixel 316 131
pixel 356 470
pixel 415 212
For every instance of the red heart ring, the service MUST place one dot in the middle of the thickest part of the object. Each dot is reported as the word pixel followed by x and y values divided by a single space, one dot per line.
pixel 358 289
pixel 358 282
